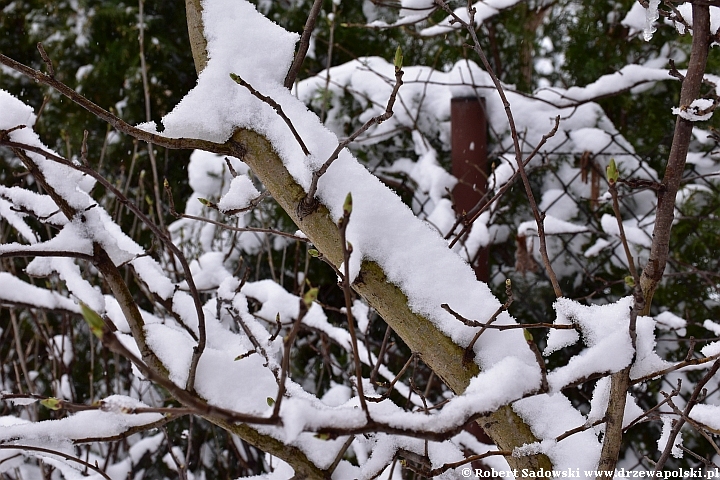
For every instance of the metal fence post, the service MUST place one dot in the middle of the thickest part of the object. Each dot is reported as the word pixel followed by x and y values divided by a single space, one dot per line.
pixel 469 163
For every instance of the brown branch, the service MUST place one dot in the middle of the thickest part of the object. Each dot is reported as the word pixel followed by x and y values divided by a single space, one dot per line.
pixel 468 224
pixel 48 451
pixel 472 458
pixel 678 366
pixel 225 226
pixel 46 59
pixel 579 429
pixel 653 272
pixel 117 123
pixel 309 204
pixel 347 294
pixel 393 382
pixel 70 213
pixel 539 217
pixel 489 324
pixel 276 106
pixel 690 404
pixel 304 44
pixel 30 252
pixel 287 346
pixel 623 239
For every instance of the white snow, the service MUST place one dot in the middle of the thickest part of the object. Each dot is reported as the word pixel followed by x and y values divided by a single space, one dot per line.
pixel 651 15
pixel 700 110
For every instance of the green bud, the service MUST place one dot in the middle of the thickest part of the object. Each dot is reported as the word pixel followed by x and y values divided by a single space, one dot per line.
pixel 310 296
pixel 94 321
pixel 612 172
pixel 347 206
pixel 313 253
pixel 205 201
pixel 398 58
pixel 528 335
pixel 270 401
pixel 51 403
pixel 630 281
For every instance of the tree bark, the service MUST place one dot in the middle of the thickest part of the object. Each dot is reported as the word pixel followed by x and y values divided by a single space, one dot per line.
pixel 653 272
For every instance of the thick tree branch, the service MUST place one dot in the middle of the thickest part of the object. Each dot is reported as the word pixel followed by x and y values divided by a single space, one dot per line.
pixel 437 350
pixel 653 271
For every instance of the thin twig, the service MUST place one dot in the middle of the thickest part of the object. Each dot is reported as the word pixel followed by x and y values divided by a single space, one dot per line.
pixel 468 224
pixel 202 338
pixel 488 324
pixel 46 59
pixel 612 187
pixel 579 429
pixel 148 117
pixel 539 217
pixel 120 125
pixel 347 292
pixel 381 354
pixel 48 451
pixel 309 204
pixel 287 346
pixel 677 366
pixel 84 149
pixel 304 44
pixel 686 413
pixel 394 381
pixel 701 428
pixel 437 471
pixel 276 106
pixel 340 454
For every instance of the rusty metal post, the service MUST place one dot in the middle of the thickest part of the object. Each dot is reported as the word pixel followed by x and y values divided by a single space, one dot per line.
pixel 469 163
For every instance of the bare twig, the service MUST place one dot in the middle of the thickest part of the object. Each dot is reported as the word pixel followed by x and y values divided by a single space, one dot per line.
pixel 468 223
pixel 46 59
pixel 472 458
pixel 70 213
pixel 48 451
pixel 394 380
pixel 304 44
pixel 119 124
pixel 347 292
pixel 490 325
pixel 276 106
pixel 381 354
pixel 148 117
pixel 677 366
pixel 309 204
pixel 287 346
pixel 539 217
pixel 579 429
pixel 340 454
pixel 686 412
pixel 612 187
pixel 699 427
pixel 83 149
